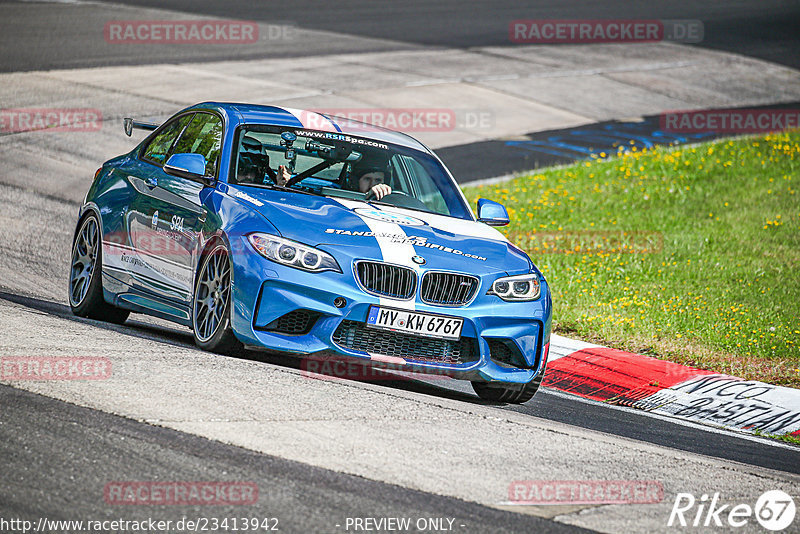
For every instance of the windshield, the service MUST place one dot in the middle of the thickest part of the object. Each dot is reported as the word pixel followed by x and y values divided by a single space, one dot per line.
pixel 344 166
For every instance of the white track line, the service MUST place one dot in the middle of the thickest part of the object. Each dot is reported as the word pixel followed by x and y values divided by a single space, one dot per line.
pixel 727 431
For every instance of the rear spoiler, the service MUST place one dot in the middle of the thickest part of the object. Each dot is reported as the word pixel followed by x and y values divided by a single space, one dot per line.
pixel 129 124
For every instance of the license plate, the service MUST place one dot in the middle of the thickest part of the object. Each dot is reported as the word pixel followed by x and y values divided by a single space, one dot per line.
pixel 422 324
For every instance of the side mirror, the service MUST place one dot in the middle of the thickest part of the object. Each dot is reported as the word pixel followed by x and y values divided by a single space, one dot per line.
pixel 189 166
pixel 492 213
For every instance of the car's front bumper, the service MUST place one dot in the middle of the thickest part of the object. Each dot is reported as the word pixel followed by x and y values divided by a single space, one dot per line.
pixel 267 297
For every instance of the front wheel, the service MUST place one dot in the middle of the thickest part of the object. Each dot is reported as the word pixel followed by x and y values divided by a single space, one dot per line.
pixel 86 273
pixel 511 394
pixel 211 309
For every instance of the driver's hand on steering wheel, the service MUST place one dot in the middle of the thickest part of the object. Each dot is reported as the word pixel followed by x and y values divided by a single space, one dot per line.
pixel 378 191
pixel 282 175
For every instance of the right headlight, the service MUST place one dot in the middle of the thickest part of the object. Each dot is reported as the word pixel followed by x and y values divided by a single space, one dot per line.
pixel 517 288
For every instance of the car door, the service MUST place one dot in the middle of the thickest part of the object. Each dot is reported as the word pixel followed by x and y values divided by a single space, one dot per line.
pixel 168 215
pixel 125 261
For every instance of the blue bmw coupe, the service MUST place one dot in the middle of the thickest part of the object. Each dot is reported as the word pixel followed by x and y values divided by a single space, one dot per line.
pixel 287 230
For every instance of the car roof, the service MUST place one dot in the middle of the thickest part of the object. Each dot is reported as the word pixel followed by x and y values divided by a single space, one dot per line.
pixel 239 113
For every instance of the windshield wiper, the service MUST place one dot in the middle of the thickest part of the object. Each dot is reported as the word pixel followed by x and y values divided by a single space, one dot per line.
pixel 424 210
pixel 283 188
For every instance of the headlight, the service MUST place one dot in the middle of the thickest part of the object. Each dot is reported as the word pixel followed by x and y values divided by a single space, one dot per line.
pixel 522 287
pixel 293 254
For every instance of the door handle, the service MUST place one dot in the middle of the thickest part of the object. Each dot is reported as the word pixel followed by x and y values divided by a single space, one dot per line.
pixel 151 181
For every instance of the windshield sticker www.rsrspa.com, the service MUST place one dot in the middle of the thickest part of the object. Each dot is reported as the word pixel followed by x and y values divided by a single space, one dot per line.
pixel 342 137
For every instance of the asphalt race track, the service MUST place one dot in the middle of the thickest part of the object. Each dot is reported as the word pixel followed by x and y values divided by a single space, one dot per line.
pixel 304 498
pixel 323 449
pixel 766 30
pixel 549 404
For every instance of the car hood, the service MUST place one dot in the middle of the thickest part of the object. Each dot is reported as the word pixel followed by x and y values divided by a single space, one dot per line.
pixel 396 235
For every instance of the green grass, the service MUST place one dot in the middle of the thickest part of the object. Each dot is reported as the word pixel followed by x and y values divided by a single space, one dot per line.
pixel 786 438
pixel 690 254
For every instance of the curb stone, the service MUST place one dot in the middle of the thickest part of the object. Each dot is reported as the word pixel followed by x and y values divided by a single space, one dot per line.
pixel 618 377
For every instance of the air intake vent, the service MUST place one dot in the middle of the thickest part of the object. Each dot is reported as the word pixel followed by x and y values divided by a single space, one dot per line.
pixel 505 353
pixel 294 323
pixel 356 336
pixel 387 280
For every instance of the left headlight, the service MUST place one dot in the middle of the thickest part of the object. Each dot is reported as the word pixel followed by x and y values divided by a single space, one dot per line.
pixel 293 254
pixel 517 288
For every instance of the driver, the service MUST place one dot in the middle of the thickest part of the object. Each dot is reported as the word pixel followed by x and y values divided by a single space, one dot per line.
pixel 370 180
pixel 369 175
pixel 253 164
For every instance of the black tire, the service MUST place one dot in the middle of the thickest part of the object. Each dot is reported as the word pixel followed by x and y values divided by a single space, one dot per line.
pixel 511 394
pixel 86 275
pixel 211 305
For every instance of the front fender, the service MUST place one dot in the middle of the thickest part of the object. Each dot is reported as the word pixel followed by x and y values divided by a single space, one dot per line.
pixel 231 220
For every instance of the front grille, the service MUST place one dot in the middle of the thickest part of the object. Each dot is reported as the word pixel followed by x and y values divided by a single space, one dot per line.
pixel 387 280
pixel 506 354
pixel 353 335
pixel 294 323
pixel 448 289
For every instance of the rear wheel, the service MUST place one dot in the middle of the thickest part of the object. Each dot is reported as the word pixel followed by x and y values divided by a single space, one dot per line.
pixel 211 310
pixel 86 273
pixel 512 394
